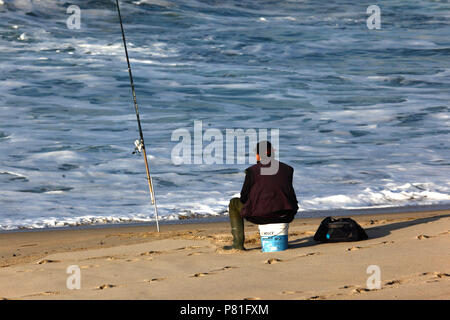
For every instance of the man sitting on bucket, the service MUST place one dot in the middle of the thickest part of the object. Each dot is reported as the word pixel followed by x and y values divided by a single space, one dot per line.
pixel 267 195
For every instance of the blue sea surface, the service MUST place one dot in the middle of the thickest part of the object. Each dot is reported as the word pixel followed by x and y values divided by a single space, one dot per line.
pixel 363 115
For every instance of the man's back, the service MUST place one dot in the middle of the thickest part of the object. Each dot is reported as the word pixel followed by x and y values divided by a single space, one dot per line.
pixel 269 198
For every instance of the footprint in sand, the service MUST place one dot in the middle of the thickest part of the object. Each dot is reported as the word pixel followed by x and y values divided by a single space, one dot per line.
pixel 393 282
pixel 422 236
pixel 187 248
pixel 369 246
pixel 373 222
pixel 436 276
pixel 194 254
pixel 316 298
pixel 361 290
pixel 106 286
pixel 155 280
pixel 442 275
pixel 276 260
pixel 226 268
pixel 200 274
pixel 111 258
pixel 45 293
pixel 273 261
pixel 45 261
pixel 354 248
pixel 150 253
pixel 311 254
pixel 347 286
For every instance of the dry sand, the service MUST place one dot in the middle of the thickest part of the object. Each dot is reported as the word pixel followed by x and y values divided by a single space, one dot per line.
pixel 187 262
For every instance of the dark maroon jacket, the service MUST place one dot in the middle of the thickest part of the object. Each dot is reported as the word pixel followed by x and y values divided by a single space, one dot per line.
pixel 269 198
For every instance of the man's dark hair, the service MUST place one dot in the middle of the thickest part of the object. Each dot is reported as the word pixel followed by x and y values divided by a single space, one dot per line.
pixel 268 146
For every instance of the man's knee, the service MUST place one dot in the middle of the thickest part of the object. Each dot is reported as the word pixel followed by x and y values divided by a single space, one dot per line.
pixel 235 203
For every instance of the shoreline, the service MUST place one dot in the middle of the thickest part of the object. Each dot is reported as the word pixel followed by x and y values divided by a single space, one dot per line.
pixel 224 218
pixel 186 261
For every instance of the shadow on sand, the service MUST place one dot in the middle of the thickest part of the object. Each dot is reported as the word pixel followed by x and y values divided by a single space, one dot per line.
pixel 375 232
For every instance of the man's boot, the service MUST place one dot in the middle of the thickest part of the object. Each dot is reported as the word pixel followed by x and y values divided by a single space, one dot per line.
pixel 237 225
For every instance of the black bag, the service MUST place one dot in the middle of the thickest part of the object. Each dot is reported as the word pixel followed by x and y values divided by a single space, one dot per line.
pixel 337 230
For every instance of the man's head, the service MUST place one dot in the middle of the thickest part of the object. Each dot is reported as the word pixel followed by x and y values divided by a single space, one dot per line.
pixel 264 148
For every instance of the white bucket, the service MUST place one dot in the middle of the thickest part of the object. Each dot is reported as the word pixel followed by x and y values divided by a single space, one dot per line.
pixel 274 236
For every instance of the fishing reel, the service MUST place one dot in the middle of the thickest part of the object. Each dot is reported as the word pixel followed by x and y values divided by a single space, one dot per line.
pixel 138 146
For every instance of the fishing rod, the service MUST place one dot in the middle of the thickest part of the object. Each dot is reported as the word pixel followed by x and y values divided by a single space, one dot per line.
pixel 139 144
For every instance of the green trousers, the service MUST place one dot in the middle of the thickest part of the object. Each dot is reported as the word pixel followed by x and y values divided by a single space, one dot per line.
pixel 237 224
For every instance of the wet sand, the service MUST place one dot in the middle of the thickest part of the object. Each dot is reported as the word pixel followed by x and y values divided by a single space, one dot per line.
pixel 187 262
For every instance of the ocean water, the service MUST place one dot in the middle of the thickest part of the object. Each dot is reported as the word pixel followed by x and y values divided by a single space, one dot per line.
pixel 363 115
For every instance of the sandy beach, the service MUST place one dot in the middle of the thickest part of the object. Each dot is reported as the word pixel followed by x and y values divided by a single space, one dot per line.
pixel 188 262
